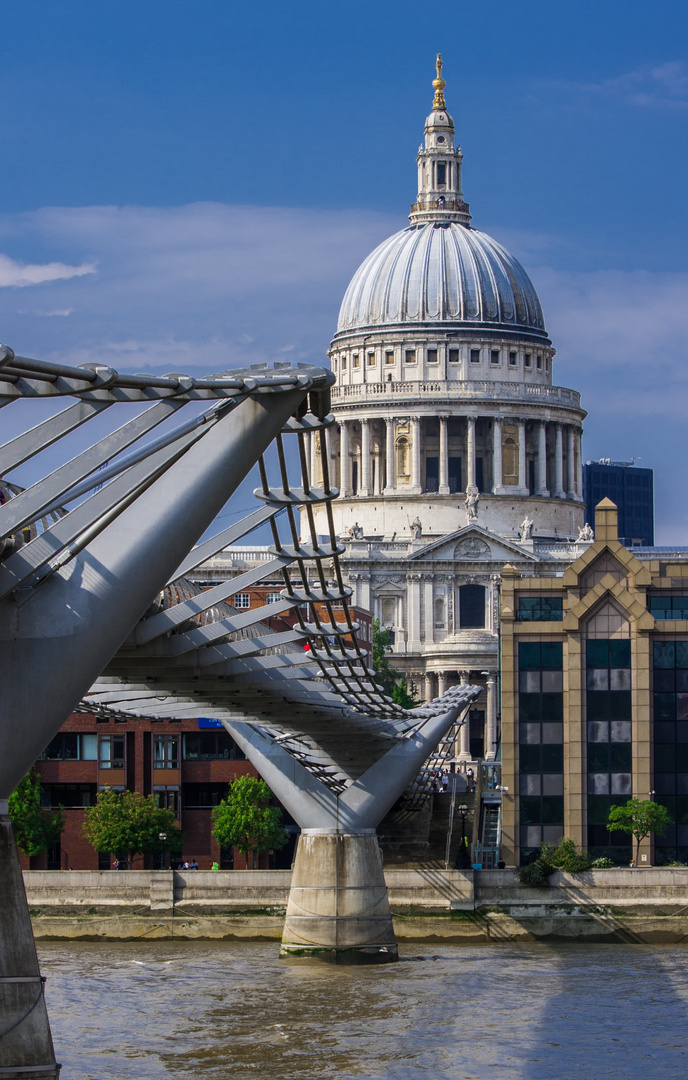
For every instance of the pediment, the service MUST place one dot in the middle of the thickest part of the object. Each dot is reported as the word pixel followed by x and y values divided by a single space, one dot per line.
pixel 472 544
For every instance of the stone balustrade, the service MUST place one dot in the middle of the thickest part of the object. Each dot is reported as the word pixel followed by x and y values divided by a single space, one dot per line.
pixel 457 390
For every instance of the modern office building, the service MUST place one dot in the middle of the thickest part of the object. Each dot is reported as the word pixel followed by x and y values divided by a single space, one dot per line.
pixel 632 492
pixel 594 697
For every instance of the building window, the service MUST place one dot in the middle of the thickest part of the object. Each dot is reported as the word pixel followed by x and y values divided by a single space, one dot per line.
pixel 371 359
pixel 472 607
pixel 211 746
pixel 166 752
pixel 68 795
pixel 670 780
pixel 203 795
pixel 111 752
pixel 513 359
pixel 167 798
pixel 475 356
pixel 528 360
pixel 273 597
pixel 343 363
pixel 70 746
pixel 242 600
pixel 356 360
pixel 539 363
pixel 494 356
pixel 540 609
pixel 669 608
pixel 410 356
pixel 610 750
pixel 389 611
pixel 439 611
pixel 453 356
pixel 541 745
pixel 441 174
pixel 432 356
pixel 389 357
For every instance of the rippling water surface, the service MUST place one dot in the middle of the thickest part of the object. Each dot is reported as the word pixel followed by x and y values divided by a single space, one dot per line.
pixel 510 1012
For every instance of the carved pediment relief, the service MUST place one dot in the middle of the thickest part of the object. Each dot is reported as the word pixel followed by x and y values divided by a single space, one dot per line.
pixel 471 549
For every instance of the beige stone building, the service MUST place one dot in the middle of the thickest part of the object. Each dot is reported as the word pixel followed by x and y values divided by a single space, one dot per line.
pixel 594 697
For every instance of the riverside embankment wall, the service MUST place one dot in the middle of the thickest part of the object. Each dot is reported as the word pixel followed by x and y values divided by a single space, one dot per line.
pixel 649 905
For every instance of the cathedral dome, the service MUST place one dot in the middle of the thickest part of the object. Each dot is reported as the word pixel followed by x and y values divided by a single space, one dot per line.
pixel 442 272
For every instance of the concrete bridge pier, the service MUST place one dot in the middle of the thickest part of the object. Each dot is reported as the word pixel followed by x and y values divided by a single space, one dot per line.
pixel 24 1027
pixel 338 909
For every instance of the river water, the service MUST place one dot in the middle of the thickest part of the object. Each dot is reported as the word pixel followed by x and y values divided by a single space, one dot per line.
pixel 216 1010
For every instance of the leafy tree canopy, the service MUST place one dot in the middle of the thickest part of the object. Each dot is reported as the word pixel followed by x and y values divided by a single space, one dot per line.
pixel 390 679
pixel 639 818
pixel 245 820
pixel 35 829
pixel 126 821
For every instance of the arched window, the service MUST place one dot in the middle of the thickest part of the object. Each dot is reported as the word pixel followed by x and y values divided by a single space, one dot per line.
pixel 472 607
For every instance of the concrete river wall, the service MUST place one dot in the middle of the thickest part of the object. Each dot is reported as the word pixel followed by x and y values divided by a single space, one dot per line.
pixel 433 905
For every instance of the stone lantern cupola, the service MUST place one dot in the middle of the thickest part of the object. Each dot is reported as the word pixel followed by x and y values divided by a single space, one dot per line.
pixel 440 197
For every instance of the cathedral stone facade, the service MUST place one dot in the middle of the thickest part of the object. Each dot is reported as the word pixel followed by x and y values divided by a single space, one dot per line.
pixel 454 451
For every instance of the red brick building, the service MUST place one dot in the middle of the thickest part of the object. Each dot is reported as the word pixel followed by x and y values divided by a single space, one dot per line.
pixel 187 764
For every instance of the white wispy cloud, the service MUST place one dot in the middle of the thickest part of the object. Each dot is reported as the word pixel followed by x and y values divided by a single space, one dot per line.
pixel 19 275
pixel 658 86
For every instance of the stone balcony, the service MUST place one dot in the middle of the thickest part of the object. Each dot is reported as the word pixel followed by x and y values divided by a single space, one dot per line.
pixel 479 390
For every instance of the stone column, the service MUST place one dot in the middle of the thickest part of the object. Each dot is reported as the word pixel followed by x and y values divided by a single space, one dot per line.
pixel 497 455
pixel 444 457
pixel 364 488
pixel 464 731
pixel 559 492
pixel 428 692
pixel 313 454
pixel 571 466
pixel 344 471
pixel 441 683
pixel 579 464
pixel 522 477
pixel 470 452
pixel 389 455
pixel 377 481
pixel 415 455
pixel 541 484
pixel 491 719
pixel 413 586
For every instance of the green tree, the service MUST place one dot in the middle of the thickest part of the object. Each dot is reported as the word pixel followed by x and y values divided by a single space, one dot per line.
pixel 126 821
pixel 35 829
pixel 391 680
pixel 640 818
pixel 245 820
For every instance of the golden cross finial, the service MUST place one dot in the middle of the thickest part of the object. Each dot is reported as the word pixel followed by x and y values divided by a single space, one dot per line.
pixel 438 85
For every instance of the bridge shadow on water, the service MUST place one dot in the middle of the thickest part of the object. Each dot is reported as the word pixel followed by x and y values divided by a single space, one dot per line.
pixel 216 1010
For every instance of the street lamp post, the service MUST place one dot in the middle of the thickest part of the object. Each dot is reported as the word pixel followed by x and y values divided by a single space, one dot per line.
pixel 162 837
pixel 463 861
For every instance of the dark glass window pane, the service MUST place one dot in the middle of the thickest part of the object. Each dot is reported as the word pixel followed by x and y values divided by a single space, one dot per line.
pixel 530 810
pixel 681 757
pixel 529 655
pixel 665 783
pixel 597 653
pixel 529 706
pixel 71 746
pixel 665 680
pixel 664 654
pixel 598 757
pixel 552 708
pixel 552 810
pixel 552 758
pixel 660 604
pixel 620 704
pixel 620 757
pixel 682 706
pixel 598 809
pixel 528 606
pixel 598 705
pixel 665 707
pixel 529 759
pixel 681 679
pixel 619 653
pixel 665 732
pixel 682 654
pixel 681 731
pixel 665 759
pixel 552 653
pixel 552 608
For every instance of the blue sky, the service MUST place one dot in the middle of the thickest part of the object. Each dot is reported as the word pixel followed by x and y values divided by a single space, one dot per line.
pixel 191 185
